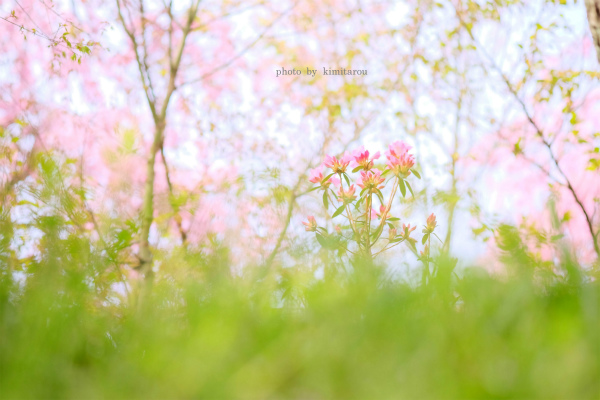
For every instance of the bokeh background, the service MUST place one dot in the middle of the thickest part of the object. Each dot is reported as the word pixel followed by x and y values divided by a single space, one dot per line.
pixel 500 100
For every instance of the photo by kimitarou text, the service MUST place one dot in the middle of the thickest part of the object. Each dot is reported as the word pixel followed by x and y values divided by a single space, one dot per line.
pixel 313 72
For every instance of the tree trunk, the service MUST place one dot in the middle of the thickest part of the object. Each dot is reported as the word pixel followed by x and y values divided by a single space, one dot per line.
pixel 145 254
pixel 593 13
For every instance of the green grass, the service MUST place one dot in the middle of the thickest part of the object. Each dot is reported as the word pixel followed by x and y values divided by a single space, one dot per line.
pixel 350 335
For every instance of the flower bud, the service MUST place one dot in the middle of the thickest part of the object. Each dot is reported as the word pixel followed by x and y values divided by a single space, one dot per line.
pixel 431 224
pixel 311 224
pixel 407 229
pixel 425 252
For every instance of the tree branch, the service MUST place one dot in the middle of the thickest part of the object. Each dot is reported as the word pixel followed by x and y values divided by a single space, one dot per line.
pixel 538 130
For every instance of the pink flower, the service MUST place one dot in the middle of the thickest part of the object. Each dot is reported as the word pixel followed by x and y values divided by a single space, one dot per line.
pixel 398 159
pixel 370 179
pixel 316 176
pixel 431 224
pixel 347 196
pixel 397 149
pixel 338 166
pixel 361 158
pixel 401 166
pixel 311 224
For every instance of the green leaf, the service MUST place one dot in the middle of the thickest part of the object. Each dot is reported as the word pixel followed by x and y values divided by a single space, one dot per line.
pixel 402 187
pixel 338 211
pixel 414 171
pixel 391 225
pixel 378 193
pixel 26 202
pixel 321 240
pixel 385 172
pixel 325 199
pixel 362 192
pixel 357 169
pixel 347 180
pixel 377 231
pixel 409 188
pixel 359 202
pixel 315 188
pixel 425 237
pixel 328 176
pixel 393 219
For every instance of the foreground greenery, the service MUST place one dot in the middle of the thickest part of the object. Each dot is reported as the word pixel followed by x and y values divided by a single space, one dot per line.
pixel 353 334
pixel 70 329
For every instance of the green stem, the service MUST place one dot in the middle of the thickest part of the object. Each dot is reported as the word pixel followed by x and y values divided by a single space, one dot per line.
pixel 349 214
pixel 369 206
pixel 388 207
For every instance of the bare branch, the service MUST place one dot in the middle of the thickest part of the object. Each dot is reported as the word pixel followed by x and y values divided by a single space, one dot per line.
pixel 243 51
pixel 538 130
pixel 151 100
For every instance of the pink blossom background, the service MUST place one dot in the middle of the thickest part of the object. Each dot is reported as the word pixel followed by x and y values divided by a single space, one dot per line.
pixel 240 142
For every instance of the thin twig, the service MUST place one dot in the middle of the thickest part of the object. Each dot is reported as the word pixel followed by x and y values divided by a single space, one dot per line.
pixel 539 133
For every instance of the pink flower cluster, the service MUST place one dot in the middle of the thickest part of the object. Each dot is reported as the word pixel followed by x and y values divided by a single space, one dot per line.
pixel 370 179
pixel 398 159
pixel 338 166
pixel 361 158
pixel 347 196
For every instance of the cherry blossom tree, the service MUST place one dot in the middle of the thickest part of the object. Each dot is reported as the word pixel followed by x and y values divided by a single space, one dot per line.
pixel 176 129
